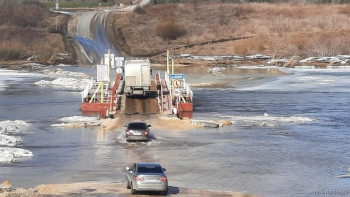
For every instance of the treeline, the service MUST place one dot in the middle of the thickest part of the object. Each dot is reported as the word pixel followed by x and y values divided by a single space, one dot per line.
pixel 248 1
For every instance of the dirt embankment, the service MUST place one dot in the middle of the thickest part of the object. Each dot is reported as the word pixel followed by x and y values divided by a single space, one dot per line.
pixel 279 30
pixel 110 189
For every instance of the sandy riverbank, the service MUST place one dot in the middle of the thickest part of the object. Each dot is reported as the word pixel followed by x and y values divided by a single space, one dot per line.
pixel 109 189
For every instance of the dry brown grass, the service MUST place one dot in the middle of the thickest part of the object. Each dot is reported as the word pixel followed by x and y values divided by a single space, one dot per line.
pixel 11 50
pixel 284 29
pixel 25 31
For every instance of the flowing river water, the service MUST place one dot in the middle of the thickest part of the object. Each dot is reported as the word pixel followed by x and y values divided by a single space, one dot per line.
pixel 290 137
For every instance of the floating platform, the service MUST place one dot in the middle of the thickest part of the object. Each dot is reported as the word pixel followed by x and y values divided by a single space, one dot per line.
pixel 104 97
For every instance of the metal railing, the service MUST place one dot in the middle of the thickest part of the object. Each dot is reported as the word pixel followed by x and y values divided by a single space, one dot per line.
pixel 86 90
pixel 167 80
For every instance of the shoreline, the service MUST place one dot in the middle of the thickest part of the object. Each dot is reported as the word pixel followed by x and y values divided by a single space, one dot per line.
pixel 187 60
pixel 110 189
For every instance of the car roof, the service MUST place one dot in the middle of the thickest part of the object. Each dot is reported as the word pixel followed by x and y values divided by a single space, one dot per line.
pixel 137 123
pixel 147 164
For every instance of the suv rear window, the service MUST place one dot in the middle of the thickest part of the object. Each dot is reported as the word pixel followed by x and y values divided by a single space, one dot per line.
pixel 137 126
pixel 149 169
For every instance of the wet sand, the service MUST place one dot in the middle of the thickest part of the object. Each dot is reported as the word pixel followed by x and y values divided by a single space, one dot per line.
pixel 110 189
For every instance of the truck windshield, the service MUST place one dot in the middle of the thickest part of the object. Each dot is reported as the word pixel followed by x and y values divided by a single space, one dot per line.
pixel 137 126
pixel 150 169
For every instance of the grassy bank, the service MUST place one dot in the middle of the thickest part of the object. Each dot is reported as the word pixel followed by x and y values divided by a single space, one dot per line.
pixel 206 28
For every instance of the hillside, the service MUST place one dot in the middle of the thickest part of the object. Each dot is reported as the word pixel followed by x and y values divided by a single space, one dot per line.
pixel 29 31
pixel 280 30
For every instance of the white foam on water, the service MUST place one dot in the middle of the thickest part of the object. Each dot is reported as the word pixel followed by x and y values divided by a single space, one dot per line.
pixel 65 83
pixel 121 138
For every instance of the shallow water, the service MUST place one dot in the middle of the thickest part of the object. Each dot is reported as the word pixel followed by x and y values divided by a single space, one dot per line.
pixel 290 138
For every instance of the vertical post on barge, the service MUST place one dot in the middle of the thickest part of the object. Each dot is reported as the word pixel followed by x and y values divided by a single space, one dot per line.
pixel 172 64
pixel 167 61
pixel 101 91
pixel 109 63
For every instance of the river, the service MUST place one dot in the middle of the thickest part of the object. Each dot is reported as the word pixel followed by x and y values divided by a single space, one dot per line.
pixel 290 137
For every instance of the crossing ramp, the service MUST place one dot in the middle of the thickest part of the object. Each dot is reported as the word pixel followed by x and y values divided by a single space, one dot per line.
pixel 141 104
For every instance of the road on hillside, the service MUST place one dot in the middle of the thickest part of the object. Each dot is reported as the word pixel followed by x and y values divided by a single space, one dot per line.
pixel 91 33
pixel 92 36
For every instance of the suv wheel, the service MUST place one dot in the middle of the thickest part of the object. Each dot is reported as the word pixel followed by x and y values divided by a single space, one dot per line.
pixel 127 185
pixel 165 193
pixel 133 191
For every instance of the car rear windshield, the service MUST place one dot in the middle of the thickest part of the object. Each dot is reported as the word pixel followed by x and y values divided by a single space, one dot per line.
pixel 137 126
pixel 150 169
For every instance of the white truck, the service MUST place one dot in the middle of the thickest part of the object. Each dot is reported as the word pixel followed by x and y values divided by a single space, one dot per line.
pixel 137 77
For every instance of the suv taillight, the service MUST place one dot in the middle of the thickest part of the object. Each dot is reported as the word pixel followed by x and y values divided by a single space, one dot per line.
pixel 146 133
pixel 127 132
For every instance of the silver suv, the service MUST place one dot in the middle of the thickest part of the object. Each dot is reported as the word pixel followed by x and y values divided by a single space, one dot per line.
pixel 146 177
pixel 137 131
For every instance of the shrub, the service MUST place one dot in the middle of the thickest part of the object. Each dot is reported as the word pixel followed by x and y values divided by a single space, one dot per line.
pixel 169 29
pixel 242 11
pixel 300 42
pixel 140 10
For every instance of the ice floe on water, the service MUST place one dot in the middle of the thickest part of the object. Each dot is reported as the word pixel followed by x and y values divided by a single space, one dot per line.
pixel 8 155
pixel 8 142
pixel 217 71
pixel 13 126
pixel 65 83
pixel 271 60
pixel 77 121
pixel 267 120
pixel 14 75
pixel 63 79
pixel 58 72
